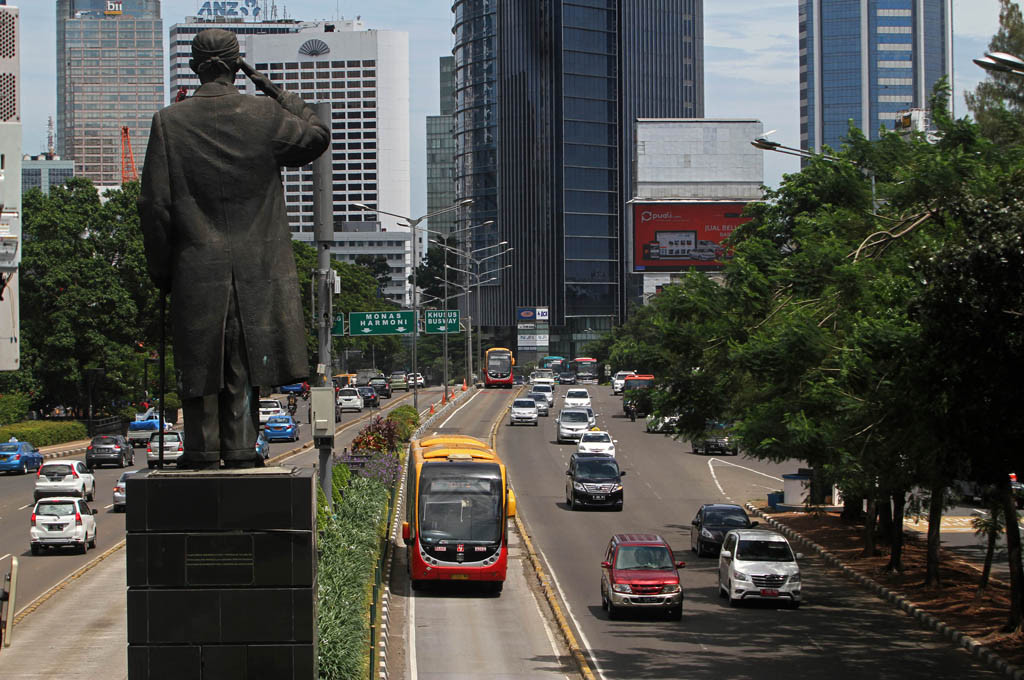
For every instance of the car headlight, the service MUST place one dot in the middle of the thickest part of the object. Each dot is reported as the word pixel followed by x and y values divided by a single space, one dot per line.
pixel 618 487
pixel 578 486
pixel 740 576
pixel 794 578
pixel 671 588
pixel 706 534
pixel 621 588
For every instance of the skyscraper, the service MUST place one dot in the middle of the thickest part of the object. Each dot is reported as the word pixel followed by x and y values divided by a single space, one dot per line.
pixel 547 95
pixel 110 73
pixel 867 60
pixel 10 187
pixel 441 154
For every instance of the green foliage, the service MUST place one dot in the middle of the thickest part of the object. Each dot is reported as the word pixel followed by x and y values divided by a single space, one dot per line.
pixel 13 407
pixel 997 103
pixel 349 546
pixel 406 420
pixel 378 435
pixel 377 266
pixel 44 433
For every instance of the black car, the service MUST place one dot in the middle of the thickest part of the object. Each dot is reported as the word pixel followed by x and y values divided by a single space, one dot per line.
pixel 712 522
pixel 594 481
pixel 567 378
pixel 716 439
pixel 382 387
pixel 109 449
pixel 369 395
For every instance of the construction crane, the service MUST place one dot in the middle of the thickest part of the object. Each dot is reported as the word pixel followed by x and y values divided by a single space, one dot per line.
pixel 128 171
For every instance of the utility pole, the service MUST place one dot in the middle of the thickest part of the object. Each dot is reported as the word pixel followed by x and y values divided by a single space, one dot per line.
pixel 469 349
pixel 323 234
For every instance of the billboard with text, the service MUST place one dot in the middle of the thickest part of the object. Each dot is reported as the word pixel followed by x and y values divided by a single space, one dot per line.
pixel 670 237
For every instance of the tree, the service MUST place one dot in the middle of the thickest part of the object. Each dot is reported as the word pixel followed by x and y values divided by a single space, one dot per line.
pixel 432 269
pixel 997 103
pixel 378 267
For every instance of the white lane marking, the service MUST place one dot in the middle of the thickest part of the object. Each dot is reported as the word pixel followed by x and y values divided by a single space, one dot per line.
pixel 756 472
pixel 458 409
pixel 568 610
pixel 108 507
pixel 411 636
pixel 5 557
pixel 714 478
pixel 26 506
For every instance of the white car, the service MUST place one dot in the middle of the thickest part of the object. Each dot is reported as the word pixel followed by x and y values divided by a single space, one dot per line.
pixel 64 478
pixel 268 408
pixel 348 398
pixel 596 442
pixel 174 448
pixel 523 411
pixel 758 564
pixel 577 398
pixel 416 378
pixel 619 381
pixel 547 390
pixel 60 522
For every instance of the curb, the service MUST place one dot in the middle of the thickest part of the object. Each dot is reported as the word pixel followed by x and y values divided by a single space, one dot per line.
pixel 549 593
pixel 988 657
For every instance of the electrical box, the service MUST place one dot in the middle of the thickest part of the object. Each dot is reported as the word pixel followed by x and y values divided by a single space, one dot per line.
pixel 322 404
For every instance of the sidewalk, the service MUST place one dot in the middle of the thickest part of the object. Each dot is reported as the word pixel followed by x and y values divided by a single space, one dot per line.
pixel 79 633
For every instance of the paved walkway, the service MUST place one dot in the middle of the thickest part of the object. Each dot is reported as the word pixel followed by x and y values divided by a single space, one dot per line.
pixel 79 633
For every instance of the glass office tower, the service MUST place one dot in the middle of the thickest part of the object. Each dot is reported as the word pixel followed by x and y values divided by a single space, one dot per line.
pixel 865 61
pixel 547 95
pixel 110 73
pixel 441 153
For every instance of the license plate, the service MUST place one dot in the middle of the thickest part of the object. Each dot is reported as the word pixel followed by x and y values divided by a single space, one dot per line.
pixel 647 600
pixel 55 527
pixel 769 592
pixel 599 497
pixel 56 479
pixel 460 577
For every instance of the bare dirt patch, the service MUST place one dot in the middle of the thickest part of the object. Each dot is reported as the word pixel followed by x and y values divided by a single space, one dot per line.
pixel 955 601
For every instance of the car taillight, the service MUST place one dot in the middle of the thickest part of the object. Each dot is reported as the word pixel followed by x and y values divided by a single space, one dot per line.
pixel 149 448
pixel 78 519
pixel 180 447
pixel 117 447
pixel 89 448
pixel 33 521
pixel 17 456
pixel 74 472
pixel 39 472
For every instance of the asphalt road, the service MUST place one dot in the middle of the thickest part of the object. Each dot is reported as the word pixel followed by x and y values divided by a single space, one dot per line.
pixel 459 631
pixel 38 573
pixel 840 632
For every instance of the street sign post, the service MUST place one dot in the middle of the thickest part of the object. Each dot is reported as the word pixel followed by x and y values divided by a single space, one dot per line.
pixel 381 323
pixel 441 320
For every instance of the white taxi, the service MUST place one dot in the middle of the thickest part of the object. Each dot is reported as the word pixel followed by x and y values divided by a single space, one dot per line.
pixel 596 442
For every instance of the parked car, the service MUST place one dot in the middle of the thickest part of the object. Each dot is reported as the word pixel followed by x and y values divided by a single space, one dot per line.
pixel 174 447
pixel 547 390
pixel 268 408
pixel 382 387
pixel 666 424
pixel 121 491
pixel 281 428
pixel 294 388
pixel 542 402
pixel 757 564
pixel 712 521
pixel 577 397
pixel 109 449
pixel 369 396
pixel 593 481
pixel 523 411
pixel 567 378
pixel 63 521
pixel 570 424
pixel 716 440
pixel 639 573
pixel 399 381
pixel 619 380
pixel 64 478
pixel 415 380
pixel 348 398
pixel 596 442
pixel 262 446
pixel 19 457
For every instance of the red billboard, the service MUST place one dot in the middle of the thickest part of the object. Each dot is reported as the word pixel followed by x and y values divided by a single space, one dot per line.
pixel 671 237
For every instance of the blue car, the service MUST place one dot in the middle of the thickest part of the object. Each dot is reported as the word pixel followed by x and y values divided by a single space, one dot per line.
pixel 281 428
pixel 19 457
pixel 262 447
pixel 291 389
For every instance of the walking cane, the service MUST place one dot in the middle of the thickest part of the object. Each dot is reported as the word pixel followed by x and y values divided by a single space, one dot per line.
pixel 163 385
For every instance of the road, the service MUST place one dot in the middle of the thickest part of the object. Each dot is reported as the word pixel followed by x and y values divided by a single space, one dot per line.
pixel 38 573
pixel 457 630
pixel 840 632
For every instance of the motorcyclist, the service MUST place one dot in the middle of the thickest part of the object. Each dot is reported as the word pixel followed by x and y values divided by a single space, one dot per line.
pixel 305 390
pixel 293 404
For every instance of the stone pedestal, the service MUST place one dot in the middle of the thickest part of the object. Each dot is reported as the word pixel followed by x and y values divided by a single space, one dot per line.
pixel 222 575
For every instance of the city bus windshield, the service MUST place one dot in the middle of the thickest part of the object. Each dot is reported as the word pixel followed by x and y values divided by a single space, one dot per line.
pixel 460 502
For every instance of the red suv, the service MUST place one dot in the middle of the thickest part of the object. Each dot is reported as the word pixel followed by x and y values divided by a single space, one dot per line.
pixel 639 573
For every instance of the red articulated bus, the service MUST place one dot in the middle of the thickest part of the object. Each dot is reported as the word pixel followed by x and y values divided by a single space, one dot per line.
pixel 498 367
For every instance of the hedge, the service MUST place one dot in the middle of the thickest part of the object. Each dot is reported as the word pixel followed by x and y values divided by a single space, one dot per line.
pixel 13 407
pixel 45 433
pixel 407 419
pixel 349 547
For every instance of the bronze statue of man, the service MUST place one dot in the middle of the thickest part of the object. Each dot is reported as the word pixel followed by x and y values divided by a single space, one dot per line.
pixel 217 239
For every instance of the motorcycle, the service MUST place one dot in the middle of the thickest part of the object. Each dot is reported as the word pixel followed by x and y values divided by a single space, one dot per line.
pixel 631 411
pixel 293 406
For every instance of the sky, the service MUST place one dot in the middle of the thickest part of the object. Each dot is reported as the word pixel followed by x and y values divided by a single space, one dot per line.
pixel 750 62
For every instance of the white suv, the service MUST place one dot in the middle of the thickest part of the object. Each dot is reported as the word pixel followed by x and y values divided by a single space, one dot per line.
pixel 758 564
pixel 577 398
pixel 523 411
pixel 619 381
pixel 268 408
pixel 174 447
pixel 62 521
pixel 64 478
pixel 547 390
pixel 348 398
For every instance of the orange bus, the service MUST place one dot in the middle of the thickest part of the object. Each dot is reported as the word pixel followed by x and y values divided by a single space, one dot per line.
pixel 457 509
pixel 498 367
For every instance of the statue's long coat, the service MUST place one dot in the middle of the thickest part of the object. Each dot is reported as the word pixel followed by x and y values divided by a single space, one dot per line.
pixel 213 217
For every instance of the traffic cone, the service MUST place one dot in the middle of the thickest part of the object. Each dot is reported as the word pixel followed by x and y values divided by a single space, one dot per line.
pixel 464 388
pixel 431 409
pixel 444 397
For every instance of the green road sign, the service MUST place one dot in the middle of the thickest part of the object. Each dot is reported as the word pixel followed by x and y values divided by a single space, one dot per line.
pixel 380 323
pixel 339 325
pixel 441 320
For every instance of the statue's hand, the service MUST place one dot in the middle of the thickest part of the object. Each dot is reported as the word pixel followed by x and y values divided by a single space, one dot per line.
pixel 261 82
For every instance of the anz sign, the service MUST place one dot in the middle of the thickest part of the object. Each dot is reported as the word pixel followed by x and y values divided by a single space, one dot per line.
pixel 229 8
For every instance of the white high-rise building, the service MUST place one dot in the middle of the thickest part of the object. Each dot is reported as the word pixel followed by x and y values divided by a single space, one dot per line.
pixel 10 187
